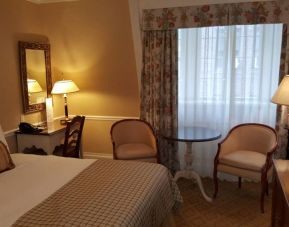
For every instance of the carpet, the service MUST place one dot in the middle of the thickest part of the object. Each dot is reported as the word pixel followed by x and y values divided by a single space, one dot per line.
pixel 232 207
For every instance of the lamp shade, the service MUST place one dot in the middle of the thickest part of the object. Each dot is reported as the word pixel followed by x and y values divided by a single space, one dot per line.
pixel 33 86
pixel 281 96
pixel 64 87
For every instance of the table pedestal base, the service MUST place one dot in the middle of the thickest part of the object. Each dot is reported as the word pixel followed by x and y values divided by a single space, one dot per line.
pixel 190 174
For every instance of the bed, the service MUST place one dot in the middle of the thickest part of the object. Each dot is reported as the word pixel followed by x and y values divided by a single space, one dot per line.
pixel 57 191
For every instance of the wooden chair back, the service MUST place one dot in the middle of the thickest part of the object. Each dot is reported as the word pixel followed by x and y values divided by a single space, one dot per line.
pixel 73 134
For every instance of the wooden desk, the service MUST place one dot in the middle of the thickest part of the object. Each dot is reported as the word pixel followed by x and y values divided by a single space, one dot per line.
pixel 50 137
pixel 280 197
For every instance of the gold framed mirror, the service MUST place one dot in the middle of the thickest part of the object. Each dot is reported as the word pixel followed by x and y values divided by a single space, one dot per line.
pixel 35 73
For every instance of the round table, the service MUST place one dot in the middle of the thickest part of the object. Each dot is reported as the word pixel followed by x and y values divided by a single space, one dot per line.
pixel 190 135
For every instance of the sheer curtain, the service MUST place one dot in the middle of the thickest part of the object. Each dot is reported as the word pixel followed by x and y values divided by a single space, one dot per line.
pixel 227 75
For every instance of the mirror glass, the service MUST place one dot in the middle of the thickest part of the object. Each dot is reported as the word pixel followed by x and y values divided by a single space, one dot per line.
pixel 35 75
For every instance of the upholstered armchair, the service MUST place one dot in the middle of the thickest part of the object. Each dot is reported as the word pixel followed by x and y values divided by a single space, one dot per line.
pixel 247 152
pixel 134 139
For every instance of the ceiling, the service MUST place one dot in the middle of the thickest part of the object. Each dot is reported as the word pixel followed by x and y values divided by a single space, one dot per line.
pixel 49 1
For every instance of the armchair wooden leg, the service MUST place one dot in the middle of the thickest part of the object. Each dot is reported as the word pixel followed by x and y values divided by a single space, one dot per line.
pixel 267 188
pixel 263 190
pixel 239 182
pixel 215 182
pixel 262 201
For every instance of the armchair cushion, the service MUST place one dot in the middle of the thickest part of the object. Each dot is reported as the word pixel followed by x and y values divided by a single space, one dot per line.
pixel 135 151
pixel 243 159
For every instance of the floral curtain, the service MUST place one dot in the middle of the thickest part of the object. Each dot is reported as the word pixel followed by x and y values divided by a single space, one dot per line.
pixel 185 17
pixel 214 15
pixel 254 13
pixel 159 89
pixel 170 19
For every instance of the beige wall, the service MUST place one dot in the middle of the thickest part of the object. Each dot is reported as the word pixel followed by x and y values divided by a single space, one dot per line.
pixel 91 43
pixel 17 22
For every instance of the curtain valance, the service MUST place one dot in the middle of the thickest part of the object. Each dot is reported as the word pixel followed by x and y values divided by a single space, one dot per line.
pixel 215 15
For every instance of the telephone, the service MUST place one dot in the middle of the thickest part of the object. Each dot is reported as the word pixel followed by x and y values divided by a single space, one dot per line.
pixel 28 128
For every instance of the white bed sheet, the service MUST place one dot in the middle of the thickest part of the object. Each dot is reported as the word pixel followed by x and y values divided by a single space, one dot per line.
pixel 33 180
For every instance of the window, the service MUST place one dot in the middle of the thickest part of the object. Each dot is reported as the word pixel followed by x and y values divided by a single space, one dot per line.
pixel 235 67
pixel 227 76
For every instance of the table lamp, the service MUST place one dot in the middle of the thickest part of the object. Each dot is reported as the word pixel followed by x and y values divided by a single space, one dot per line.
pixel 281 96
pixel 64 87
pixel 33 86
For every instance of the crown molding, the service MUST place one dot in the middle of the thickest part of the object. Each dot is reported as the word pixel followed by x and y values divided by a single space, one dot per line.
pixel 49 1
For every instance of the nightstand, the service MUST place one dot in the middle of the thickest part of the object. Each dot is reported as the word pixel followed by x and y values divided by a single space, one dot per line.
pixel 47 139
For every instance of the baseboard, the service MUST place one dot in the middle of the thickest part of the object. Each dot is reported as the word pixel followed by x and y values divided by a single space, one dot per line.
pixel 97 155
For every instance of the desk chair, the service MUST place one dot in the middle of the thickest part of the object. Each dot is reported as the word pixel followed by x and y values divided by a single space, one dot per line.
pixel 72 140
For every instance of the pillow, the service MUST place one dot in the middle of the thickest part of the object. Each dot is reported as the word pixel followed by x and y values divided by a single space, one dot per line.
pixel 2 137
pixel 6 162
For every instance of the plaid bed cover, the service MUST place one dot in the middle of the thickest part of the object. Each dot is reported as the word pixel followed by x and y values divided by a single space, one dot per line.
pixel 109 193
